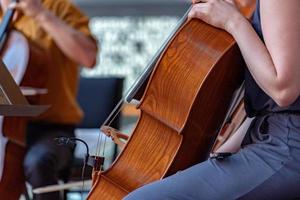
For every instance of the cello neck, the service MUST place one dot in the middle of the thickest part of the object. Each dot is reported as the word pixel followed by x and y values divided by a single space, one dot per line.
pixel 6 23
pixel 142 79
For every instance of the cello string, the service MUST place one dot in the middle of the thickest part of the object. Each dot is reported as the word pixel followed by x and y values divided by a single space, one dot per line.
pixel 108 121
pixel 148 70
pixel 136 86
pixel 121 104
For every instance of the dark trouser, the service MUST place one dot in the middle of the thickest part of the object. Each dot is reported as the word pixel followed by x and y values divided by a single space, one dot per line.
pixel 44 159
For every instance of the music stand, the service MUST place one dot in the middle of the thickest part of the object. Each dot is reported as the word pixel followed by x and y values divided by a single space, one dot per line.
pixel 12 101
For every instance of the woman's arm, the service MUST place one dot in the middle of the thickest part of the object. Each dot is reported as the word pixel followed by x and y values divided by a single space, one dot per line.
pixel 274 65
pixel 73 43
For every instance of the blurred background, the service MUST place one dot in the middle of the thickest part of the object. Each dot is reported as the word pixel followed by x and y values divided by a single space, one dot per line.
pixel 129 33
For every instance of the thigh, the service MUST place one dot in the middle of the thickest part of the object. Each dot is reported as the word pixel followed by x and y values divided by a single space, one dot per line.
pixel 43 152
pixel 283 185
pixel 266 168
pixel 46 153
pixel 230 178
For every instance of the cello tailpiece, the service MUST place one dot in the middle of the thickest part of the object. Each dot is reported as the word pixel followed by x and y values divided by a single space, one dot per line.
pixel 96 162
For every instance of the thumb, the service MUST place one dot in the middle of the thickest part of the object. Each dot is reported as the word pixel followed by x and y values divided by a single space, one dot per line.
pixel 13 5
pixel 17 5
pixel 191 14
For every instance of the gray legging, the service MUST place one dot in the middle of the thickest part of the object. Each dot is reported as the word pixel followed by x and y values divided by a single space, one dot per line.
pixel 267 167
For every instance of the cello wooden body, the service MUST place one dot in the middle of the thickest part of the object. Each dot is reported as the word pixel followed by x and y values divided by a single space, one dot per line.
pixel 182 109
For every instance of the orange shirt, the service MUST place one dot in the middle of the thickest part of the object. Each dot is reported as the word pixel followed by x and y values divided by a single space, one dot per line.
pixel 62 73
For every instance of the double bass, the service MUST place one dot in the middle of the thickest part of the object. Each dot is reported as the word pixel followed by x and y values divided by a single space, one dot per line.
pixel 12 129
pixel 181 110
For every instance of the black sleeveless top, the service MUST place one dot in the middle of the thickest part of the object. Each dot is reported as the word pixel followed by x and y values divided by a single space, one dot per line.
pixel 256 100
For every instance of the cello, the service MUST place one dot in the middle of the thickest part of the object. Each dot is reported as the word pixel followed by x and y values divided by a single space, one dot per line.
pixel 12 129
pixel 181 110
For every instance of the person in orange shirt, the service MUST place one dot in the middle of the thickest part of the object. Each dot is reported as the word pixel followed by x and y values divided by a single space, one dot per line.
pixel 61 31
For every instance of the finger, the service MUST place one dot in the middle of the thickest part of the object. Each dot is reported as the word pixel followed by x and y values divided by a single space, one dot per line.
pixel 12 5
pixel 15 17
pixel 196 11
pixel 191 14
pixel 17 5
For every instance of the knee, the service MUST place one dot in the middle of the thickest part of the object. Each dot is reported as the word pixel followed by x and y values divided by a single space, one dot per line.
pixel 136 195
pixel 39 162
pixel 147 192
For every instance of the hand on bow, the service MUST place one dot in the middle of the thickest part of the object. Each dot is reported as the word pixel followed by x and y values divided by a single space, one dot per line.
pixel 31 8
pixel 219 13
